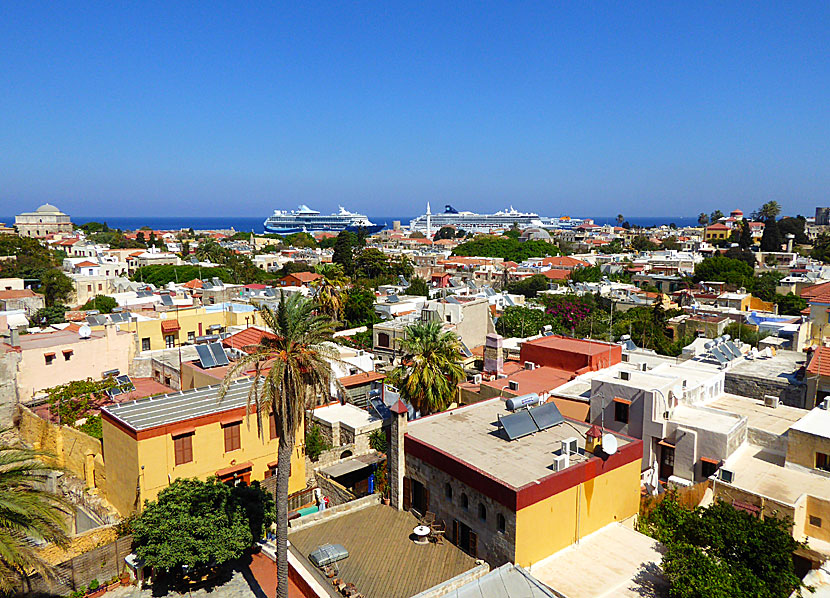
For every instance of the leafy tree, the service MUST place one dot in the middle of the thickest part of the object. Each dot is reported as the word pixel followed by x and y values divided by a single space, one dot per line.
pixel 520 321
pixel 197 523
pixel 620 219
pixel 47 316
pixel 460 233
pixel 344 251
pixel 586 274
pixel 642 243
pixel 612 248
pixel 772 239
pixel 790 304
pixel 56 287
pixel 794 226
pixel 745 333
pixel 715 216
pixel 74 400
pixel 744 255
pixel 160 275
pixel 103 303
pixel 377 440
pixel 763 286
pixel 417 286
pixel 372 263
pixel 329 298
pixel 505 247
pixel 31 259
pixel 821 248
pixel 446 232
pixel 359 306
pixel 298 374
pixel 530 286
pixel 670 243
pixel 140 237
pixel 315 443
pixel 430 370
pixel 745 240
pixel 28 511
pixel 417 235
pixel 724 269
pixel 513 233
pixel 300 240
pixel 94 227
pixel 703 219
pixel 722 551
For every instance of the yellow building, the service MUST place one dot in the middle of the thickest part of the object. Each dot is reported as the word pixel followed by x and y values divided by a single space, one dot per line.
pixel 716 232
pixel 151 442
pixel 517 500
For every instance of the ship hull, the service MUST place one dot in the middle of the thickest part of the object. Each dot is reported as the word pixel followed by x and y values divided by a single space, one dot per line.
pixel 290 230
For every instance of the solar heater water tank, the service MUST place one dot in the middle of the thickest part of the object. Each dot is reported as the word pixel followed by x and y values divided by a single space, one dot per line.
pixel 523 401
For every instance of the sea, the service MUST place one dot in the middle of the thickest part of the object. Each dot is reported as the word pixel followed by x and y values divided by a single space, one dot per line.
pixel 256 224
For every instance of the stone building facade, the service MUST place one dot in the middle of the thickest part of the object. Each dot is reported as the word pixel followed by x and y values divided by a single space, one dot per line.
pixel 46 220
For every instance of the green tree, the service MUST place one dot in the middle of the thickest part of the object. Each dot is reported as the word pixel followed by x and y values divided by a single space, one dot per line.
pixel 745 241
pixel 505 247
pixel 430 369
pixel 519 321
pixel 794 226
pixel 300 240
pixel 620 219
pixel 328 295
pixel 670 243
pixel 315 443
pixel 27 512
pixel 715 216
pixel 763 286
pixel 821 248
pixel 642 243
pixel 103 303
pixel 529 287
pixel 586 274
pixel 344 251
pixel 744 255
pixel 724 269
pixel 298 374
pixel 46 316
pixel 771 239
pixel 612 248
pixel 745 333
pixel 417 286
pixel 199 524
pixel 372 263
pixel 790 304
pixel 377 440
pixel 445 232
pixel 161 275
pixel 703 219
pixel 769 211
pixel 359 307
pixel 56 287
pixel 513 233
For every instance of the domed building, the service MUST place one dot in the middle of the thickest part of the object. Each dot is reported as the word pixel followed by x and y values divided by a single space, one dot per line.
pixel 535 234
pixel 46 220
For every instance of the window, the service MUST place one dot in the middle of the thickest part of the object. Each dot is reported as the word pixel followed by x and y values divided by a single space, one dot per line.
pixel 815 521
pixel 100 287
pixel 89 288
pixel 383 339
pixel 482 512
pixel 621 411
pixel 272 426
pixel 49 358
pixel 449 318
pixel 67 355
pixel 145 344
pixel 448 491
pixel 823 461
pixel 183 447
pixel 191 337
pixel 170 340
pixel 501 523
pixel 708 467
pixel 465 502
pixel 232 440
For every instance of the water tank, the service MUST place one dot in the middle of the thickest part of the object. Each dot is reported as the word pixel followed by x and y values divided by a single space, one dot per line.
pixel 523 401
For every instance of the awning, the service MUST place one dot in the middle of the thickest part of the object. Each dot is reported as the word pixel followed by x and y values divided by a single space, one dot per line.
pixel 68 351
pixel 666 444
pixel 183 430
pixel 229 420
pixel 234 469
pixel 48 354
pixel 170 325
pixel 623 401
pixel 354 464
pixel 710 461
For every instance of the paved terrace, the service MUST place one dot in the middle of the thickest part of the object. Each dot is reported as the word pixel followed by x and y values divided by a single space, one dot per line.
pixel 760 417
pixel 383 561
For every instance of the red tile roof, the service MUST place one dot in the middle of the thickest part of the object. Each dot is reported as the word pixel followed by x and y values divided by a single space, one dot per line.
pixel 820 362
pixel 247 338
pixel 361 379
pixel 539 380
pixel 17 294
pixel 557 274
pixel 816 289
pixel 86 264
pixel 170 325
pixel 194 284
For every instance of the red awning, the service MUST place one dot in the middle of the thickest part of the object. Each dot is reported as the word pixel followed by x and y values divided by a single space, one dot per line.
pixel 666 443
pixel 234 469
pixel 48 354
pixel 170 325
pixel 68 351
pixel 623 401
pixel 183 430
pixel 711 461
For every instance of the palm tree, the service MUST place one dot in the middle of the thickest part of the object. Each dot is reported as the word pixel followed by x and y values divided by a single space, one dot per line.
pixel 328 298
pixel 27 512
pixel 703 219
pixel 210 251
pixel 291 373
pixel 620 219
pixel 431 367
pixel 770 211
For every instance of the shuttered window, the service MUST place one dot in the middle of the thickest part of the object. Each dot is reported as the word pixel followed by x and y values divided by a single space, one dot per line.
pixel 232 439
pixel 183 446
pixel 272 426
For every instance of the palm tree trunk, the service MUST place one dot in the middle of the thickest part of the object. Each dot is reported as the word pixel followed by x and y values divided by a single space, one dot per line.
pixel 286 447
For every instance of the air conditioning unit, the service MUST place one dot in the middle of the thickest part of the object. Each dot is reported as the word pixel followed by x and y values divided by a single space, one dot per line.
pixel 726 475
pixel 570 446
pixel 561 462
pixel 824 404
pixel 626 357
pixel 529 365
pixel 501 376
pixel 512 385
pixel 644 367
pixel 477 379
pixel 625 375
pixel 771 401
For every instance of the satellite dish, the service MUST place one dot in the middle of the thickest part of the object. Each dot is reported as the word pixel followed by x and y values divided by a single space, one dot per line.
pixel 609 444
pixel 85 331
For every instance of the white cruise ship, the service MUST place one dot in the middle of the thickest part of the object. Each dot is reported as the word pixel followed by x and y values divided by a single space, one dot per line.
pixel 472 222
pixel 311 221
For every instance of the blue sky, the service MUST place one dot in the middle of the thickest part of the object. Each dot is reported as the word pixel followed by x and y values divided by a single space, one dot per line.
pixel 577 108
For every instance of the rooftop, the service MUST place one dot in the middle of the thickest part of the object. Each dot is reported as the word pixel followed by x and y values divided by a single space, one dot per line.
pixel 573 345
pixel 820 362
pixel 784 364
pixel 816 422
pixel 348 414
pixel 760 417
pixel 538 380
pixel 144 414
pixel 472 434
pixel 629 566
pixel 712 420
pixel 383 560
pixel 43 340
pixel 508 581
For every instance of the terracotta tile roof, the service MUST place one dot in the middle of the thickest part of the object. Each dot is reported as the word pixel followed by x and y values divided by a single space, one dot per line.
pixel 539 380
pixel 718 227
pixel 17 294
pixel 86 264
pixel 820 362
pixel 556 274
pixel 816 289
pixel 247 338
pixel 304 276
pixel 193 284
pixel 170 325
pixel 361 379
pixel 821 297
pixel 564 261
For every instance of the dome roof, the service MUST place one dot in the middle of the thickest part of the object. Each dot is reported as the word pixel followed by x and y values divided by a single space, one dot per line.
pixel 47 207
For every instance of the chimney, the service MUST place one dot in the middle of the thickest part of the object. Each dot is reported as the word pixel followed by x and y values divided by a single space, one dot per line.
pixel 493 358
pixel 396 458
pixel 14 337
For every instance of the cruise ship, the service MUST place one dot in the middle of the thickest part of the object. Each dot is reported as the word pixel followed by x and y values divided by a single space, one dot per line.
pixel 472 222
pixel 311 221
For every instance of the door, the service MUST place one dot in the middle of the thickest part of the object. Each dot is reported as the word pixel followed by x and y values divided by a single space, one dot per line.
pixel 666 462
pixel 420 497
pixel 407 494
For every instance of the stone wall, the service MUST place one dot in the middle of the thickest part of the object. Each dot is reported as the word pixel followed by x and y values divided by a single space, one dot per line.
pixel 494 546
pixel 8 387
pixel 334 512
pixel 336 493
pixel 791 392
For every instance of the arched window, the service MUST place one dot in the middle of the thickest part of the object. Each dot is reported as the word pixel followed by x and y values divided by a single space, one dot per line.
pixel 501 523
pixel 448 491
pixel 465 502
pixel 482 512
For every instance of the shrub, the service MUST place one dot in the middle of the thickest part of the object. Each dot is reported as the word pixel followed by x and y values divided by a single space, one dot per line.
pixel 315 444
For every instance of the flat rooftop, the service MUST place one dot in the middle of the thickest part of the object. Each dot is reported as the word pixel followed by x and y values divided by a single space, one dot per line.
pixel 760 472
pixel 572 345
pixel 760 417
pixel 815 422
pixel 613 561
pixel 472 434
pixel 383 560
pixel 783 365
pixel 144 414
pixel 348 414
pixel 712 420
